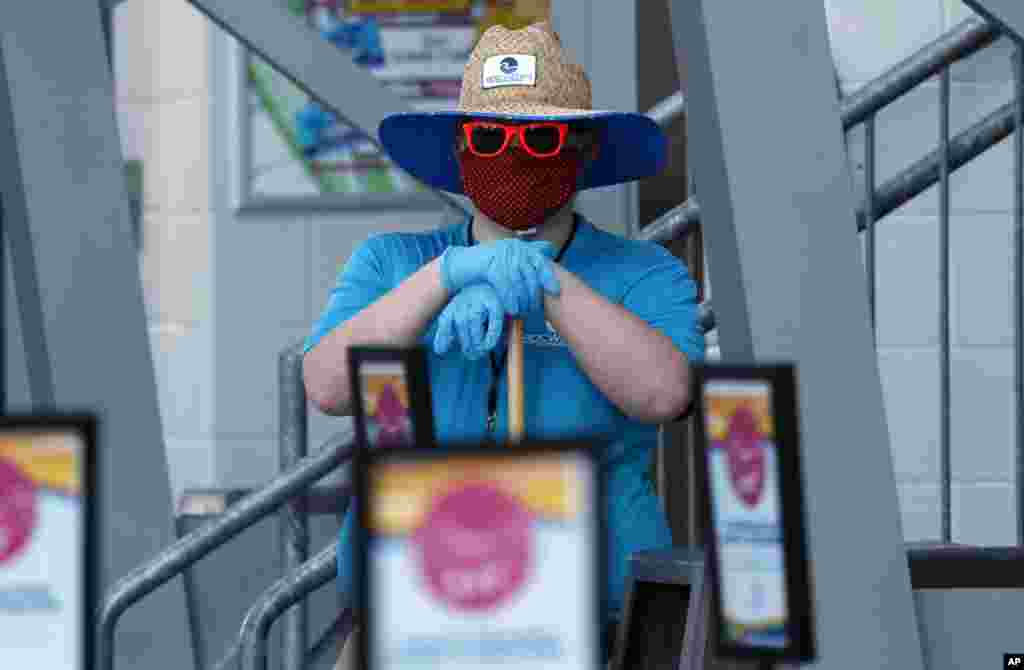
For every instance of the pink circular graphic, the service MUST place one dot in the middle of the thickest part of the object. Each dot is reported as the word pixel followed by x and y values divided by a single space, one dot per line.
pixel 17 511
pixel 745 456
pixel 475 547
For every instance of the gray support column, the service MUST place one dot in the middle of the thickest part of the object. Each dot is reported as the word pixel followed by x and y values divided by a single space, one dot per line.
pixel 1007 14
pixel 766 143
pixel 79 307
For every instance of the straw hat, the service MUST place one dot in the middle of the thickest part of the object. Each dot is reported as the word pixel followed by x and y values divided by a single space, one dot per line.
pixel 524 75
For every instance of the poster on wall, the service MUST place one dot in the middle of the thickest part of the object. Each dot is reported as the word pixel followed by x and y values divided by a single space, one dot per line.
pixel 45 567
pixel 474 559
pixel 298 152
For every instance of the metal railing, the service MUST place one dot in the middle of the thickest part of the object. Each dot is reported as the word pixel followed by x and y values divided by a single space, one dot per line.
pixel 862 107
pixel 250 647
pixel 188 550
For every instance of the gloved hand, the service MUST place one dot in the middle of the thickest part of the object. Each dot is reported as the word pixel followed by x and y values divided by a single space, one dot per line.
pixel 517 271
pixel 476 317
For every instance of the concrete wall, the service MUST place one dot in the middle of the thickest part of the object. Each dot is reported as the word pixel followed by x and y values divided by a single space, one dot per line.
pixel 227 292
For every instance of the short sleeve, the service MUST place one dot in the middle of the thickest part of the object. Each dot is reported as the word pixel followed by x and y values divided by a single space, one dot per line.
pixel 665 296
pixel 363 279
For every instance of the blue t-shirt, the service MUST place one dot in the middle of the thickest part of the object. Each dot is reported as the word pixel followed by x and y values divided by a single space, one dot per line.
pixel 560 402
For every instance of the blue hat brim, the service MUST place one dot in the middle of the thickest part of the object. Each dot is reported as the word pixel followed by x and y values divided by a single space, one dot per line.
pixel 632 146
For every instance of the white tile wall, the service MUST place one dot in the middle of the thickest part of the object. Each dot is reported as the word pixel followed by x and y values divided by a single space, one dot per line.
pixel 981 425
pixel 910 390
pixel 176 267
pixel 983 514
pixel 869 36
pixel 160 50
pixel 981 292
pixel 175 141
pixel 190 462
pixel 907 291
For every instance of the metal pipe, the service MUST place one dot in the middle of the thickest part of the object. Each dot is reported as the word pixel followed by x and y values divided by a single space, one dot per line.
pixel 923 174
pixel 892 195
pixel 293 446
pixel 966 38
pixel 869 212
pixel 172 561
pixel 944 375
pixel 280 596
pixel 675 224
pixel 669 109
pixel 706 317
pixel 1018 284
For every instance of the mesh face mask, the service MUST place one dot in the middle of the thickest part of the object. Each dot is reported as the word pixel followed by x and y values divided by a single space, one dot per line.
pixel 518 191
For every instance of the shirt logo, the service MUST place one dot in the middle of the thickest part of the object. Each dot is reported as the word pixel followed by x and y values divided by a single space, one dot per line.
pixel 510 70
pixel 548 339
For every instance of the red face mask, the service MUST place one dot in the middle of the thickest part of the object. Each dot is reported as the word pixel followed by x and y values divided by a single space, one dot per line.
pixel 518 191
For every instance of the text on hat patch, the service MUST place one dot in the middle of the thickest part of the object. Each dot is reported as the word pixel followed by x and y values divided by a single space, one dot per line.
pixel 510 70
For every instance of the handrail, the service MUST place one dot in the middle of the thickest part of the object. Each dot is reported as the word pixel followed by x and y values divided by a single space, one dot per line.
pixel 293 446
pixel 924 174
pixel 896 192
pixel 284 593
pixel 179 556
pixel 675 224
pixel 967 37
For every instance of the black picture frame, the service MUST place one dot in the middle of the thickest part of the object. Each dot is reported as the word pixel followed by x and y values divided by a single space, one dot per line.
pixel 84 425
pixel 364 462
pixel 784 408
pixel 412 362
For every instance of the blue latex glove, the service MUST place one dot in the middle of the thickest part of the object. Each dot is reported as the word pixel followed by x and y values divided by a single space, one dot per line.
pixel 475 316
pixel 517 271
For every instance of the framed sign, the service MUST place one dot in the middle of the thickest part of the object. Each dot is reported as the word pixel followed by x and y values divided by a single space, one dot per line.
pixel 471 556
pixel 748 439
pixel 296 153
pixel 391 397
pixel 48 536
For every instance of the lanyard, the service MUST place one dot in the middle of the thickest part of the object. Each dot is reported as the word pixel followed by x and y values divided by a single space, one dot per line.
pixel 497 365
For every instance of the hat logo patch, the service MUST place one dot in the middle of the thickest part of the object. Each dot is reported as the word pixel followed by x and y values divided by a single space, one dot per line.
pixel 509 65
pixel 510 70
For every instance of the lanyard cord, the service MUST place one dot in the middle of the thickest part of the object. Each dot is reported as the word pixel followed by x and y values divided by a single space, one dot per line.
pixel 498 365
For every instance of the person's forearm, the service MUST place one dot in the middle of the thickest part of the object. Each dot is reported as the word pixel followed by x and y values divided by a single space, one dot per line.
pixel 638 368
pixel 397 319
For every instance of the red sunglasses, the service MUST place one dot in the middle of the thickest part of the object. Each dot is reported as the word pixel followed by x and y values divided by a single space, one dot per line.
pixel 541 140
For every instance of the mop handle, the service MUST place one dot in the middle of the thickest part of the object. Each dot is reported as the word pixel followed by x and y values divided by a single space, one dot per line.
pixel 516 404
pixel 516 417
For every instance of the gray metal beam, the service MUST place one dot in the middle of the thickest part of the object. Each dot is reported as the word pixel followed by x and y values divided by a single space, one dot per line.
pixel 788 283
pixel 81 319
pixel 320 69
pixel 1007 14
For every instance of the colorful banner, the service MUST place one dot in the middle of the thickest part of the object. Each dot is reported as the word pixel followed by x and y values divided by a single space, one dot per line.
pixel 41 558
pixel 744 483
pixel 483 561
pixel 417 48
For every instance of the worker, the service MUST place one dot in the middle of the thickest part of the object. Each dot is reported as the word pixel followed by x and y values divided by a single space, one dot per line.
pixel 611 325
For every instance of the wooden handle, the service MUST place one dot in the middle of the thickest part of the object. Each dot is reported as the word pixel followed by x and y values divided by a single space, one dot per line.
pixel 516 417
